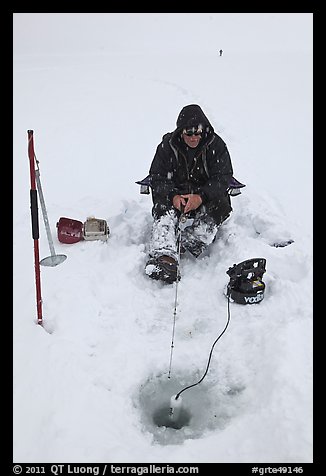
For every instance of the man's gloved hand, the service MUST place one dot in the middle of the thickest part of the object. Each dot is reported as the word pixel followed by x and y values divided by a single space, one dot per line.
pixel 190 201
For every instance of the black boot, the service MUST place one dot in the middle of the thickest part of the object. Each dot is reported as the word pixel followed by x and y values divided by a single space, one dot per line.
pixel 164 268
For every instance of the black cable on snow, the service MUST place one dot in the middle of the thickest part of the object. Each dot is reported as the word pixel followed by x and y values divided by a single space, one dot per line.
pixel 210 354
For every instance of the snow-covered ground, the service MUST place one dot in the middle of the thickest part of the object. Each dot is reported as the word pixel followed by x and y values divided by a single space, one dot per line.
pixel 99 91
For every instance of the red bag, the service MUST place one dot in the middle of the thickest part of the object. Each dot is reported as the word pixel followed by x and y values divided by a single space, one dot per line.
pixel 69 230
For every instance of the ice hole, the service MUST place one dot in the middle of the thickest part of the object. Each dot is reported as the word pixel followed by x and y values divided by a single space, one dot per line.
pixel 205 407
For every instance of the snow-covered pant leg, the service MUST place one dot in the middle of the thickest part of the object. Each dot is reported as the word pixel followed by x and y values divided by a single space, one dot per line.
pixel 198 236
pixel 208 218
pixel 164 236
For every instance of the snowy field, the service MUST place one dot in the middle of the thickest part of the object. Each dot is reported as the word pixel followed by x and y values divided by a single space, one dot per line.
pixel 99 91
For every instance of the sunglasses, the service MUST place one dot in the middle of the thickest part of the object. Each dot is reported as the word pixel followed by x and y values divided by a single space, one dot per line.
pixel 191 132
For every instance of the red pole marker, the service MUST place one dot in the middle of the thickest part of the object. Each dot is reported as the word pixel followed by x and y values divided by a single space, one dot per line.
pixel 35 226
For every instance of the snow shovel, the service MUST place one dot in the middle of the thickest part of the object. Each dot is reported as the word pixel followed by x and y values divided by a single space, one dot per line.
pixel 54 259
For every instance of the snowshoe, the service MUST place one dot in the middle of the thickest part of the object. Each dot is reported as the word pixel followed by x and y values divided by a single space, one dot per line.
pixel 164 268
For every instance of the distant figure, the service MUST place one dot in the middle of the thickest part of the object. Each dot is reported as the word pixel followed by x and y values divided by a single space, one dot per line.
pixel 221 52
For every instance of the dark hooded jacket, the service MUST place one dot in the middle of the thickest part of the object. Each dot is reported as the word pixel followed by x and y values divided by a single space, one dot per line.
pixel 179 169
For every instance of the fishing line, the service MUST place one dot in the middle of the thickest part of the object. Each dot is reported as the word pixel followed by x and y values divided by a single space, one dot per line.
pixel 181 219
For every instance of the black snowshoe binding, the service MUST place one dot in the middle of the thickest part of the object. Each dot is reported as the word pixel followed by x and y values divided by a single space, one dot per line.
pixel 246 285
pixel 164 268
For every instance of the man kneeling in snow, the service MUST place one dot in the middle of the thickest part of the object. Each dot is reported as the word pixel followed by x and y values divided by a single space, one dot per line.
pixel 190 173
